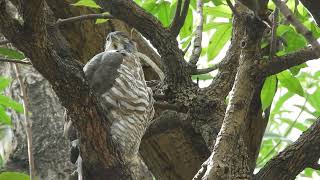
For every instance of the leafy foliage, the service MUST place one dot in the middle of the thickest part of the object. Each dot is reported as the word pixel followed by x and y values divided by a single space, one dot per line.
pixel 13 176
pixel 6 102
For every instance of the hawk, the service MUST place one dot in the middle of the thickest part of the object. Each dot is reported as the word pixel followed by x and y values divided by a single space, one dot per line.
pixel 116 76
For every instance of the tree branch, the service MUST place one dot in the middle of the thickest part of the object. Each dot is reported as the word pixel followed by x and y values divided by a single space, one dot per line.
pixel 198 36
pixel 82 18
pixel 282 63
pixel 34 19
pixel 207 70
pixel 294 158
pixel 179 18
pixel 27 121
pixel 8 22
pixel 23 61
pixel 299 27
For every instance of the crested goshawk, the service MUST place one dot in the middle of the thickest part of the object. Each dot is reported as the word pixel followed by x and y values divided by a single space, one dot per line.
pixel 116 76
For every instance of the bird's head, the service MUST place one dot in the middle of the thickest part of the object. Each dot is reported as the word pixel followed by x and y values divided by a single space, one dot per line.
pixel 118 40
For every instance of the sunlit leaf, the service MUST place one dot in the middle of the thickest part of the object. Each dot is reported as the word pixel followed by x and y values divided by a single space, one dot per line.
pixel 4 82
pixel 214 25
pixel 164 13
pixel 218 40
pixel 186 29
pixel 10 53
pixel 202 77
pixel 297 125
pixel 218 11
pixel 296 69
pixel 280 102
pixel 290 82
pixel 87 3
pixel 268 91
pixel 4 118
pixel 314 99
pixel 13 176
pixel 9 103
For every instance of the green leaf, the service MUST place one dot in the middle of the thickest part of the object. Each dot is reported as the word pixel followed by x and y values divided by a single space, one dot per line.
pixel 314 99
pixel 9 103
pixel 290 82
pixel 293 39
pixel 296 69
pixel 10 53
pixel 13 176
pixel 274 136
pixel 268 91
pixel 4 82
pixel 280 102
pixel 217 2
pixel 101 21
pixel 298 125
pixel 187 27
pixel 218 40
pixel 214 25
pixel 4 118
pixel 164 13
pixel 87 3
pixel 218 11
pixel 202 77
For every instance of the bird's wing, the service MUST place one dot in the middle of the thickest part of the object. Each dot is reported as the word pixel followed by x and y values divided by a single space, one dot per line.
pixel 101 70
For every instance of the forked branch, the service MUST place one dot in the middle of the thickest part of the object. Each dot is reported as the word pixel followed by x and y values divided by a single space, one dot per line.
pixel 180 17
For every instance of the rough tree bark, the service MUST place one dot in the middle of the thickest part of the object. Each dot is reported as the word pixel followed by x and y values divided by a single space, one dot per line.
pixel 177 142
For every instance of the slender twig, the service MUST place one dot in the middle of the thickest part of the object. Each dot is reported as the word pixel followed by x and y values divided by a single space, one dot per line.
pixel 187 48
pixel 180 17
pixel 198 36
pixel 206 70
pixel 83 17
pixel 298 25
pixel 273 43
pixel 3 42
pixel 27 121
pixel 23 61
pixel 233 9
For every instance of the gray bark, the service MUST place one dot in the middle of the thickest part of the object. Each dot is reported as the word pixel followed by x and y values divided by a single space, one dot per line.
pixel 51 149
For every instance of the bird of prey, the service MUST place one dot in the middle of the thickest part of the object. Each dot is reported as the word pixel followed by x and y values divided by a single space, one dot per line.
pixel 116 76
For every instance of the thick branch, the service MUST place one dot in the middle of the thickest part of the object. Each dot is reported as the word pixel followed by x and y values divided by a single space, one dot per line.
pixel 83 17
pixel 207 70
pixel 198 36
pixel 8 22
pixel 229 159
pixel 299 27
pixel 179 18
pixel 34 19
pixel 295 158
pixel 282 63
